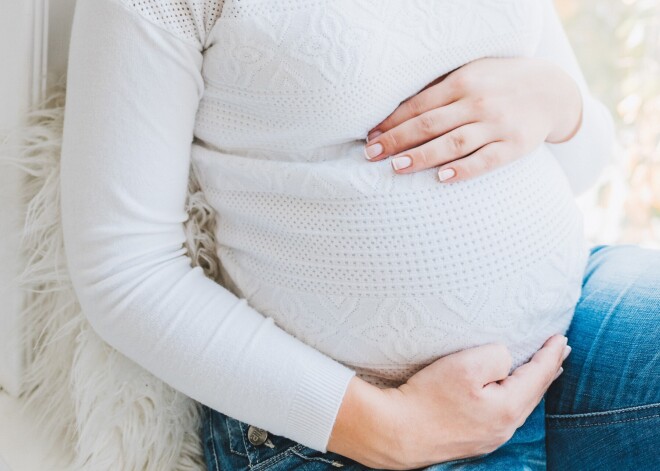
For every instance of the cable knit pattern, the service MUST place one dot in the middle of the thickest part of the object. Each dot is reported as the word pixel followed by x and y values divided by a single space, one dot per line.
pixel 382 272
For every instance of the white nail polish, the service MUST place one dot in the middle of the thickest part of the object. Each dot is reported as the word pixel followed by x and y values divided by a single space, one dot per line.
pixel 401 162
pixel 561 370
pixel 373 151
pixel 567 351
pixel 446 174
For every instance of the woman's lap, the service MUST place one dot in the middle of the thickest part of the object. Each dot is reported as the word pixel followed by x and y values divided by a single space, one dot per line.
pixel 227 447
pixel 602 413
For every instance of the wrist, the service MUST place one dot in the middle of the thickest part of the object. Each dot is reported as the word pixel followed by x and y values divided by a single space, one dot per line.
pixel 568 108
pixel 363 429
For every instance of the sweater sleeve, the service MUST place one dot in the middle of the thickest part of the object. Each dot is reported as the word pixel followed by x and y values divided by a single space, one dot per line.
pixel 133 88
pixel 585 154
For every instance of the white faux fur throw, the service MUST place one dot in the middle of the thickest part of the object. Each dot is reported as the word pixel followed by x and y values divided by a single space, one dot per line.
pixel 109 412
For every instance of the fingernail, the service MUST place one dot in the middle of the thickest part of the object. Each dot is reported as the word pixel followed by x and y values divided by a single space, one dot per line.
pixel 373 135
pixel 446 174
pixel 561 370
pixel 373 151
pixel 401 162
pixel 567 351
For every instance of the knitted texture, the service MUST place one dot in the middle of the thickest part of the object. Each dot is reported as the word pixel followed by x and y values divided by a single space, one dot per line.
pixel 331 265
pixel 382 272
pixel 190 20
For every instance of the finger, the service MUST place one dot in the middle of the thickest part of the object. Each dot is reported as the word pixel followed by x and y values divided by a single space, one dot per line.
pixel 527 384
pixel 484 364
pixel 453 145
pixel 480 162
pixel 435 96
pixel 418 130
pixel 436 81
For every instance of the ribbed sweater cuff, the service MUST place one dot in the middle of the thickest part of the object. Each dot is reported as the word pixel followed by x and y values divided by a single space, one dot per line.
pixel 576 154
pixel 316 403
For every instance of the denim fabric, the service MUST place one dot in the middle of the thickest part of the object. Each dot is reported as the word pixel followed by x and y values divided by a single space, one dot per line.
pixel 602 413
pixel 227 447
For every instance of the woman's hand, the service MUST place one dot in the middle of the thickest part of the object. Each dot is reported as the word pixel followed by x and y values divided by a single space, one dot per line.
pixel 461 405
pixel 479 117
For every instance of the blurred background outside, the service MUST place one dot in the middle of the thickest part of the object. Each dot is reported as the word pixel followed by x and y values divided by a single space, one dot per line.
pixel 618 45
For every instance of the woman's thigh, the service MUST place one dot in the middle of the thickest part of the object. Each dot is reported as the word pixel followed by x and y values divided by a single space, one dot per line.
pixel 604 411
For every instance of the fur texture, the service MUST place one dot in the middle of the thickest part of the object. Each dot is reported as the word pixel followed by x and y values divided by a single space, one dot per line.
pixel 107 412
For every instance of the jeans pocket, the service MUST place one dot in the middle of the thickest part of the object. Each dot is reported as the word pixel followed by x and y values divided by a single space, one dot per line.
pixel 222 451
pixel 618 439
pixel 230 444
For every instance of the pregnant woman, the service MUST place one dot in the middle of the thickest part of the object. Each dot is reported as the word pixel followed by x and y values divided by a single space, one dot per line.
pixel 378 312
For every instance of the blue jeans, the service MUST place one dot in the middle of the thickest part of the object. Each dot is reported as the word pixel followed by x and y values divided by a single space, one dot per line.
pixel 603 413
pixel 227 447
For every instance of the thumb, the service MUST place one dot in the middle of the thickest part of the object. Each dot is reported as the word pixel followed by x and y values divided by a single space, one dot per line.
pixel 528 383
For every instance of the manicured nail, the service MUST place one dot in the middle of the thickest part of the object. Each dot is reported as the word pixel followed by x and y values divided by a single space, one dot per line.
pixel 401 162
pixel 561 370
pixel 373 135
pixel 373 151
pixel 567 351
pixel 446 174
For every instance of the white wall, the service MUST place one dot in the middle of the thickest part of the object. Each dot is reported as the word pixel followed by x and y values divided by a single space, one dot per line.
pixel 34 37
pixel 59 32
pixel 20 59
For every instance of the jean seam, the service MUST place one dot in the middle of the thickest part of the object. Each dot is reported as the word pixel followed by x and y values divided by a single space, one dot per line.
pixel 215 452
pixel 603 413
pixel 636 419
pixel 273 460
pixel 240 426
pixel 311 458
pixel 229 439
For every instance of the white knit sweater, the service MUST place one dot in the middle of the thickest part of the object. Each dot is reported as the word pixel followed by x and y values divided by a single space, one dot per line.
pixel 335 265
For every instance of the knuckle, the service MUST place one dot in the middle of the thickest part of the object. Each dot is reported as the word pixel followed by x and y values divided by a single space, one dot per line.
pixel 463 370
pixel 475 394
pixel 462 81
pixel 389 141
pixel 414 106
pixel 456 143
pixel 495 114
pixel 427 123
pixel 386 123
pixel 490 160
pixel 462 170
pixel 479 105
pixel 423 157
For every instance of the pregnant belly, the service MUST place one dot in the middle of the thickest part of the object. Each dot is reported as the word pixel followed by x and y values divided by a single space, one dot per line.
pixel 387 272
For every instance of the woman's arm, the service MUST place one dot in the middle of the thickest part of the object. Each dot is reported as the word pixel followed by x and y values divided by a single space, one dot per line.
pixel 584 155
pixel 132 95
pixel 492 111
